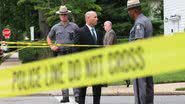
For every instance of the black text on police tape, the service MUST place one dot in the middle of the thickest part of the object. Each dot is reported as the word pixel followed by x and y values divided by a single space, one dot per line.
pixel 54 74
pixel 25 80
pixel 126 60
pixel 118 61
pixel 93 66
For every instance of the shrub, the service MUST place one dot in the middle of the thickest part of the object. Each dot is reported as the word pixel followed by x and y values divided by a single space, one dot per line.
pixel 33 54
pixel 120 41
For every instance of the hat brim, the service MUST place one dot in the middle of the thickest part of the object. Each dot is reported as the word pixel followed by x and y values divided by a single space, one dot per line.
pixel 59 12
pixel 133 6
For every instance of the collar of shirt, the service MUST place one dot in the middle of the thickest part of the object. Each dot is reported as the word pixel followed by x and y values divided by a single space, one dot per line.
pixel 109 31
pixel 62 23
pixel 141 15
pixel 90 27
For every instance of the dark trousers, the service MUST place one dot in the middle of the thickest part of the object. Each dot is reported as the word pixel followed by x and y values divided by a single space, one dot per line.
pixel 144 90
pixel 96 94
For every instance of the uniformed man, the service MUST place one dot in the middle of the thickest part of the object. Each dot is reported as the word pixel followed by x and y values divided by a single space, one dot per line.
pixel 143 87
pixel 64 33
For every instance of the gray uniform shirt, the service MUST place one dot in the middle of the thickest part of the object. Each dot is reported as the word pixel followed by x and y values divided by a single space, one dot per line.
pixel 141 29
pixel 64 34
pixel 110 38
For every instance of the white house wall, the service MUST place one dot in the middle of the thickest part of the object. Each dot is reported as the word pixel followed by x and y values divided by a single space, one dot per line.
pixel 171 8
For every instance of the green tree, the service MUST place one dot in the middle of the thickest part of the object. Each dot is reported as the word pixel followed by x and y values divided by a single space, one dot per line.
pixel 47 9
pixel 17 17
pixel 116 11
pixel 158 21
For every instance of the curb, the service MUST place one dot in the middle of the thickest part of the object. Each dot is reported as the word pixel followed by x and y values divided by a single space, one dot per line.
pixel 120 94
pixel 111 91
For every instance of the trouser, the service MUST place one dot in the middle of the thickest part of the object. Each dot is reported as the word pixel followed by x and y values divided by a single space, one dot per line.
pixel 96 94
pixel 144 90
pixel 65 93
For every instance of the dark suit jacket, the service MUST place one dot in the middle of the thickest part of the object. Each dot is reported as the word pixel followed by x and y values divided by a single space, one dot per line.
pixel 85 38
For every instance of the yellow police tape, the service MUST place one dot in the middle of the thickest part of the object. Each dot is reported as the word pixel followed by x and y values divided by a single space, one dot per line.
pixel 136 59
pixel 24 43
pixel 42 45
pixel 26 46
pixel 69 45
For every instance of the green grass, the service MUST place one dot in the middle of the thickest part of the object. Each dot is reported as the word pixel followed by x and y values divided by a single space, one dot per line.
pixel 180 89
pixel 163 78
pixel 170 77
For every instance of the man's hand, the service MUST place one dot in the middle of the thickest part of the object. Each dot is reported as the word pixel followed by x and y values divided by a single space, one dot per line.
pixel 54 48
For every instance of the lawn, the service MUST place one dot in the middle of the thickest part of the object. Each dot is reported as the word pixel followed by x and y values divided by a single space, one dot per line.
pixel 180 89
pixel 170 78
pixel 163 78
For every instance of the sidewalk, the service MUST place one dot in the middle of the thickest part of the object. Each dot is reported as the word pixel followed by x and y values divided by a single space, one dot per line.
pixel 159 89
pixel 13 60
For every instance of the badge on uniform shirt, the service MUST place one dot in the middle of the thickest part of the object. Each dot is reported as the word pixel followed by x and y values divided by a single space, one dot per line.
pixel 138 27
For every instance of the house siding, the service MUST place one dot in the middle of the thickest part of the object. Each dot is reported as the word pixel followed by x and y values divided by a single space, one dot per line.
pixel 172 8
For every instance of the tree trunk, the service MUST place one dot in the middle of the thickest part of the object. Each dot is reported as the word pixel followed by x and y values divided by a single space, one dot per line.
pixel 43 26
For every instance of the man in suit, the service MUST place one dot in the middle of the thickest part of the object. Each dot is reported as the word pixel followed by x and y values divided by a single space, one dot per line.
pixel 89 36
pixel 110 36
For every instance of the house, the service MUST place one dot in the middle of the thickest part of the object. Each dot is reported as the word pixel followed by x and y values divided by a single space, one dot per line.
pixel 174 16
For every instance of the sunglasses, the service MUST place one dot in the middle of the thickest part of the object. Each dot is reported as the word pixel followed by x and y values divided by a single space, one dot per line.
pixel 63 14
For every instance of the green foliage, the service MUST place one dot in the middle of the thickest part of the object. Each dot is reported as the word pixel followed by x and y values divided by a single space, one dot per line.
pixel 80 7
pixel 158 23
pixel 158 27
pixel 34 54
pixel 122 29
pixel 146 8
pixel 120 41
pixel 18 16
pixel 21 14
pixel 116 12
pixel 180 89
pixel 159 12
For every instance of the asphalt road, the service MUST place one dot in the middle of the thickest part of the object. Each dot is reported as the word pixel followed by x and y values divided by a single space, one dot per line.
pixel 104 100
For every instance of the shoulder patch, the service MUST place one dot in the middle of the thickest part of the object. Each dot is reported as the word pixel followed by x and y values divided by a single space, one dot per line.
pixel 138 27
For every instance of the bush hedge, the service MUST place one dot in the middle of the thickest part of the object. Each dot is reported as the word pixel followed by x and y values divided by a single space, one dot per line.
pixel 33 54
pixel 120 41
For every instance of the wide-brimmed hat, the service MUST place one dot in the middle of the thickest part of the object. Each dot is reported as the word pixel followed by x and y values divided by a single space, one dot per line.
pixel 63 10
pixel 133 3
